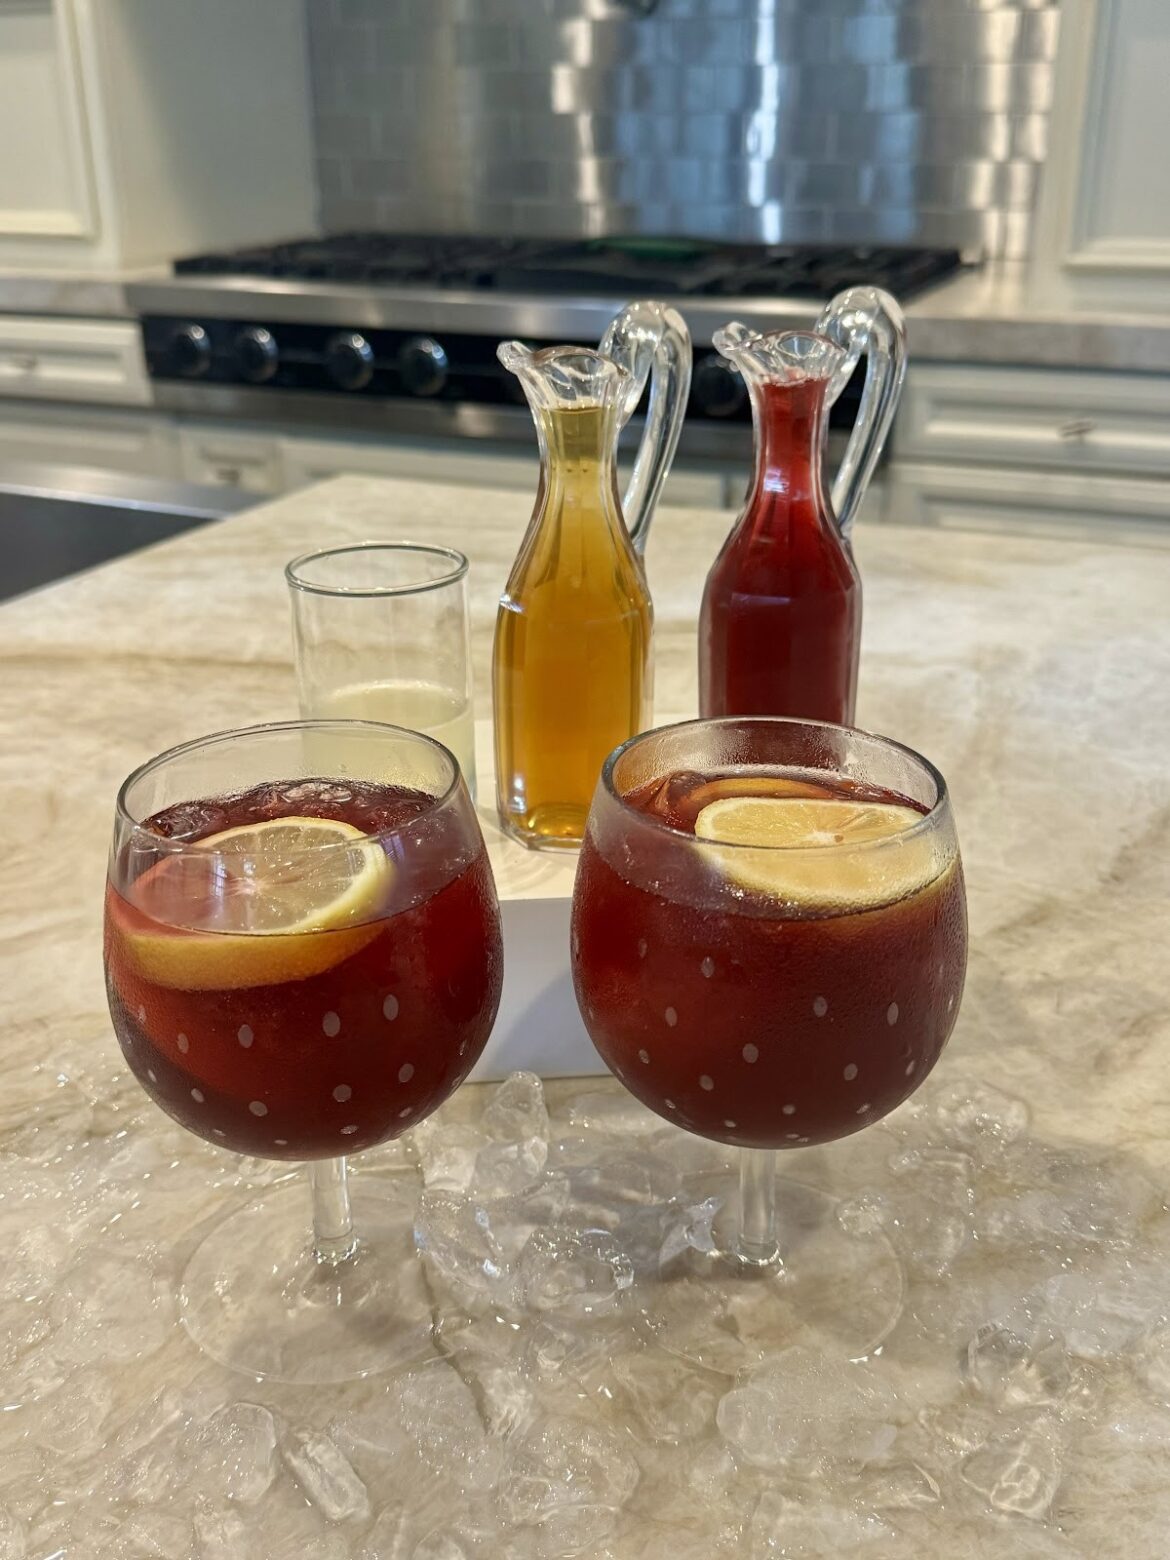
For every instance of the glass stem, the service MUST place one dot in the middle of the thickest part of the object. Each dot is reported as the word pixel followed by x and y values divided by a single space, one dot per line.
pixel 333 1238
pixel 756 1241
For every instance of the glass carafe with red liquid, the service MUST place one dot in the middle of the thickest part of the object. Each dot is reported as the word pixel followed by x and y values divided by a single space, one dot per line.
pixel 780 627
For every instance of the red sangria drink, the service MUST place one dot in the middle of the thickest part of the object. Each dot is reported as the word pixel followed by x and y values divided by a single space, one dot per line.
pixel 780 623
pixel 300 964
pixel 769 943
pixel 349 999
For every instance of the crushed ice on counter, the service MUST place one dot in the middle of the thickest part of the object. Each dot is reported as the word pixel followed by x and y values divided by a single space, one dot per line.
pixel 1025 1389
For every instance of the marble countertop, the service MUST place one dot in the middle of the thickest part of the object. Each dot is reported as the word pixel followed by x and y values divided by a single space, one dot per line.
pixel 1035 673
pixel 99 294
pixel 992 314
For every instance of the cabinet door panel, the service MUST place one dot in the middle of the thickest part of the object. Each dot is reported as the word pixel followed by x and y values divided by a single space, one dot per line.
pixel 1030 503
pixel 76 436
pixel 250 461
pixel 1064 420
pixel 45 189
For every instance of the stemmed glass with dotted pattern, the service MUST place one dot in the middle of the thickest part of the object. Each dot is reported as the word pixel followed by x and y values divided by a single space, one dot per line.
pixel 303 959
pixel 769 942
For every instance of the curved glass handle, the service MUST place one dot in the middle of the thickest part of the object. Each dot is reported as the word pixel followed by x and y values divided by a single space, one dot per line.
pixel 651 340
pixel 865 319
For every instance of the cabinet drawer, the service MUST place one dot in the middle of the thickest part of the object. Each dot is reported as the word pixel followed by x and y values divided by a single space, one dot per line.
pixel 72 360
pixel 1112 509
pixel 250 461
pixel 139 442
pixel 1061 420
pixel 306 460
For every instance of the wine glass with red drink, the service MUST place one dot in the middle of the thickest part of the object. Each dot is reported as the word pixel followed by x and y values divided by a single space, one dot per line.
pixel 769 941
pixel 303 959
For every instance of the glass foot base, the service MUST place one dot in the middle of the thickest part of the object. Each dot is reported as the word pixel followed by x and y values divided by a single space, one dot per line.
pixel 833 1291
pixel 253 1297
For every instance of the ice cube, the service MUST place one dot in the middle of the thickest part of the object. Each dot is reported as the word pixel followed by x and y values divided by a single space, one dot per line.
pixel 222 1535
pixel 151 1535
pixel 447 1154
pixel 507 1400
pixel 950 1430
pixel 389 1538
pixel 571 1478
pixel 71 1422
pixel 898 1486
pixel 326 1476
pixel 34 1260
pixel 553 1349
pixel 690 1229
pixel 801 1529
pixel 13 1541
pixel 1013 1371
pixel 474 1243
pixel 516 1110
pixel 980 1119
pixel 604 1192
pixel 573 1275
pixel 801 1408
pixel 1052 1196
pixel 1019 1473
pixel 234 1452
pixel 676 790
pixel 663 1403
pixel 455 1236
pixel 111 1309
pixel 1105 1312
pixel 864 1214
pixel 192 820
pixel 438 1414
pixel 503 1169
pixel 931 1207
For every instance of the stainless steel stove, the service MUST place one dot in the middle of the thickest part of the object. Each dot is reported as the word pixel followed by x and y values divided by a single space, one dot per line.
pixel 398 333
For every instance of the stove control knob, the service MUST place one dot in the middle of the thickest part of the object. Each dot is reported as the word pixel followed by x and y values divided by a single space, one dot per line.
pixel 349 358
pixel 256 354
pixel 718 388
pixel 189 351
pixel 423 364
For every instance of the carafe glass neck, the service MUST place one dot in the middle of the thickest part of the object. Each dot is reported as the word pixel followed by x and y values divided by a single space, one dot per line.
pixel 790 430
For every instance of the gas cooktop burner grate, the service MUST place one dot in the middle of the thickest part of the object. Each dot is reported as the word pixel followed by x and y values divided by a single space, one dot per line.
pixel 673 267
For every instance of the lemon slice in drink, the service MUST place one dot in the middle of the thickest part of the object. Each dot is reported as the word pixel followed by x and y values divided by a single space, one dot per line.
pixel 794 861
pixel 258 905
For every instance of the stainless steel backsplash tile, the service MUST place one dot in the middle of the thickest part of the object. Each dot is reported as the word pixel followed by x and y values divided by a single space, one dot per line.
pixel 901 121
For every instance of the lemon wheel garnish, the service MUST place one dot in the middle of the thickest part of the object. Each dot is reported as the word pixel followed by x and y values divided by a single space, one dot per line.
pixel 792 861
pixel 258 905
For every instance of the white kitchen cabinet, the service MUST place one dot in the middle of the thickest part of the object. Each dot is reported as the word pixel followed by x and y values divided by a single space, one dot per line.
pixel 306 460
pixel 1045 451
pixel 1102 235
pixel 47 190
pixel 142 443
pixel 1036 503
pixel 222 456
pixel 132 130
pixel 72 360
pixel 1065 420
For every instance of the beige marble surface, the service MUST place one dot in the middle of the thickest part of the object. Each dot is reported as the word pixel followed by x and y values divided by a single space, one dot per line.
pixel 1036 674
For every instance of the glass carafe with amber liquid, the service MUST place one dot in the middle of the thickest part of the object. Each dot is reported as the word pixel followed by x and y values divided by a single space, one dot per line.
pixel 572 668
